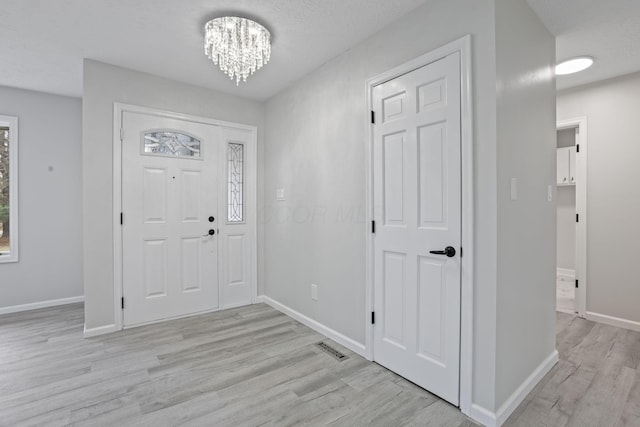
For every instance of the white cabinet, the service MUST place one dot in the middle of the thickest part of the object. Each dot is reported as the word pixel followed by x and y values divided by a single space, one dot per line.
pixel 566 157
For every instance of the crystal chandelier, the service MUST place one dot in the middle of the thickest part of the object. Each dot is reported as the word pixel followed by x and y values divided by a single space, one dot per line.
pixel 239 46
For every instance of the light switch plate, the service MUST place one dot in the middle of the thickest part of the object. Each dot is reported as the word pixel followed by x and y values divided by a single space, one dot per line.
pixel 314 292
pixel 550 193
pixel 514 189
pixel 280 194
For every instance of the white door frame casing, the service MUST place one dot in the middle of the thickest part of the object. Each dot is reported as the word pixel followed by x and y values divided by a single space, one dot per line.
pixel 462 45
pixel 580 124
pixel 250 194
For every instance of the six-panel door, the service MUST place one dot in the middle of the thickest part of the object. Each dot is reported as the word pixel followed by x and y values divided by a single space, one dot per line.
pixel 170 191
pixel 417 204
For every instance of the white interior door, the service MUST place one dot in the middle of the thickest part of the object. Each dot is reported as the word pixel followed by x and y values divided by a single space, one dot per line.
pixel 170 227
pixel 417 200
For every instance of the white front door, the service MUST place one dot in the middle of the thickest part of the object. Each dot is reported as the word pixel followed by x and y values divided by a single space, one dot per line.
pixel 417 200
pixel 171 217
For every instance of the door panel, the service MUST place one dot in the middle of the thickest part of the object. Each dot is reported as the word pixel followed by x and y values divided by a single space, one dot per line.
pixel 155 195
pixel 431 155
pixel 395 275
pixel 191 272
pixel 395 154
pixel 417 201
pixel 190 193
pixel 393 107
pixel 169 189
pixel 155 264
pixel 432 95
pixel 431 292
pixel 236 258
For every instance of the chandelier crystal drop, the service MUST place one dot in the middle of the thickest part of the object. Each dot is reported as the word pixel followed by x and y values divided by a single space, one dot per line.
pixel 238 46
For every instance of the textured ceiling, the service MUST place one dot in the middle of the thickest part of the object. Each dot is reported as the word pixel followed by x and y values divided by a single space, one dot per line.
pixel 42 42
pixel 608 30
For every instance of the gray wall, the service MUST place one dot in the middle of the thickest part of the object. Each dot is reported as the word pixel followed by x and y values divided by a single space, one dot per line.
pixel 315 150
pixel 50 201
pixel 103 85
pixel 526 227
pixel 613 193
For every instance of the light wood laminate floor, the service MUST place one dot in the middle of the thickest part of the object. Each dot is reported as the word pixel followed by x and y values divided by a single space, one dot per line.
pixel 253 366
pixel 250 366
pixel 596 383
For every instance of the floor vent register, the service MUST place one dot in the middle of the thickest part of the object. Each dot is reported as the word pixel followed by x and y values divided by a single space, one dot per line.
pixel 331 351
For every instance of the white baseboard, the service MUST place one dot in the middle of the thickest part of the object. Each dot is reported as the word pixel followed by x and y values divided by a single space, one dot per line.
pixel 41 304
pixel 100 330
pixel 613 321
pixel 566 274
pixel 525 388
pixel 352 345
pixel 490 419
pixel 483 416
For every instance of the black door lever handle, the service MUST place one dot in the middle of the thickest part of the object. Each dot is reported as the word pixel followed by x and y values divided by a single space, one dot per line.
pixel 449 251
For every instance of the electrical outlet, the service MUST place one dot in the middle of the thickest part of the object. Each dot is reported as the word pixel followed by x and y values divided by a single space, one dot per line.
pixel 314 292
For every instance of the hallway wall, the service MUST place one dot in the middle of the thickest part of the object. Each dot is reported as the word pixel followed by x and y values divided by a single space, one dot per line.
pixel 613 195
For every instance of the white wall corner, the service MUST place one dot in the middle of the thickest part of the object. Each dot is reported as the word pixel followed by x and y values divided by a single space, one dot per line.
pixel 496 419
pixel 41 304
pixel 483 416
pixel 341 339
pixel 100 330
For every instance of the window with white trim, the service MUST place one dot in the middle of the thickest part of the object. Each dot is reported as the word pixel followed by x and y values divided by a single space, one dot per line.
pixel 8 189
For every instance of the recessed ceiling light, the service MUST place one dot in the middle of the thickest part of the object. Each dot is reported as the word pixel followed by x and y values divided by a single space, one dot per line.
pixel 574 65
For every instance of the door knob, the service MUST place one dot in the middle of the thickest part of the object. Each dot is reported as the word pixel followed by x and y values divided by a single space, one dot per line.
pixel 210 233
pixel 448 251
pixel 211 219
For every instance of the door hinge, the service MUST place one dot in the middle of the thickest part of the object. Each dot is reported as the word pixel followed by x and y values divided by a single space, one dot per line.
pixel 122 302
pixel 121 134
pixel 577 217
pixel 373 117
pixel 577 148
pixel 373 317
pixel 576 283
pixel 121 218
pixel 373 227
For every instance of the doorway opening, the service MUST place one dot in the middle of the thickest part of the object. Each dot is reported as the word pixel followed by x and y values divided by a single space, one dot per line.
pixel 566 221
pixel 571 217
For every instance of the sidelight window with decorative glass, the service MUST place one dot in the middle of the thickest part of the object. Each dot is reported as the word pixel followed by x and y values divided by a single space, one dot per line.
pixel 235 196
